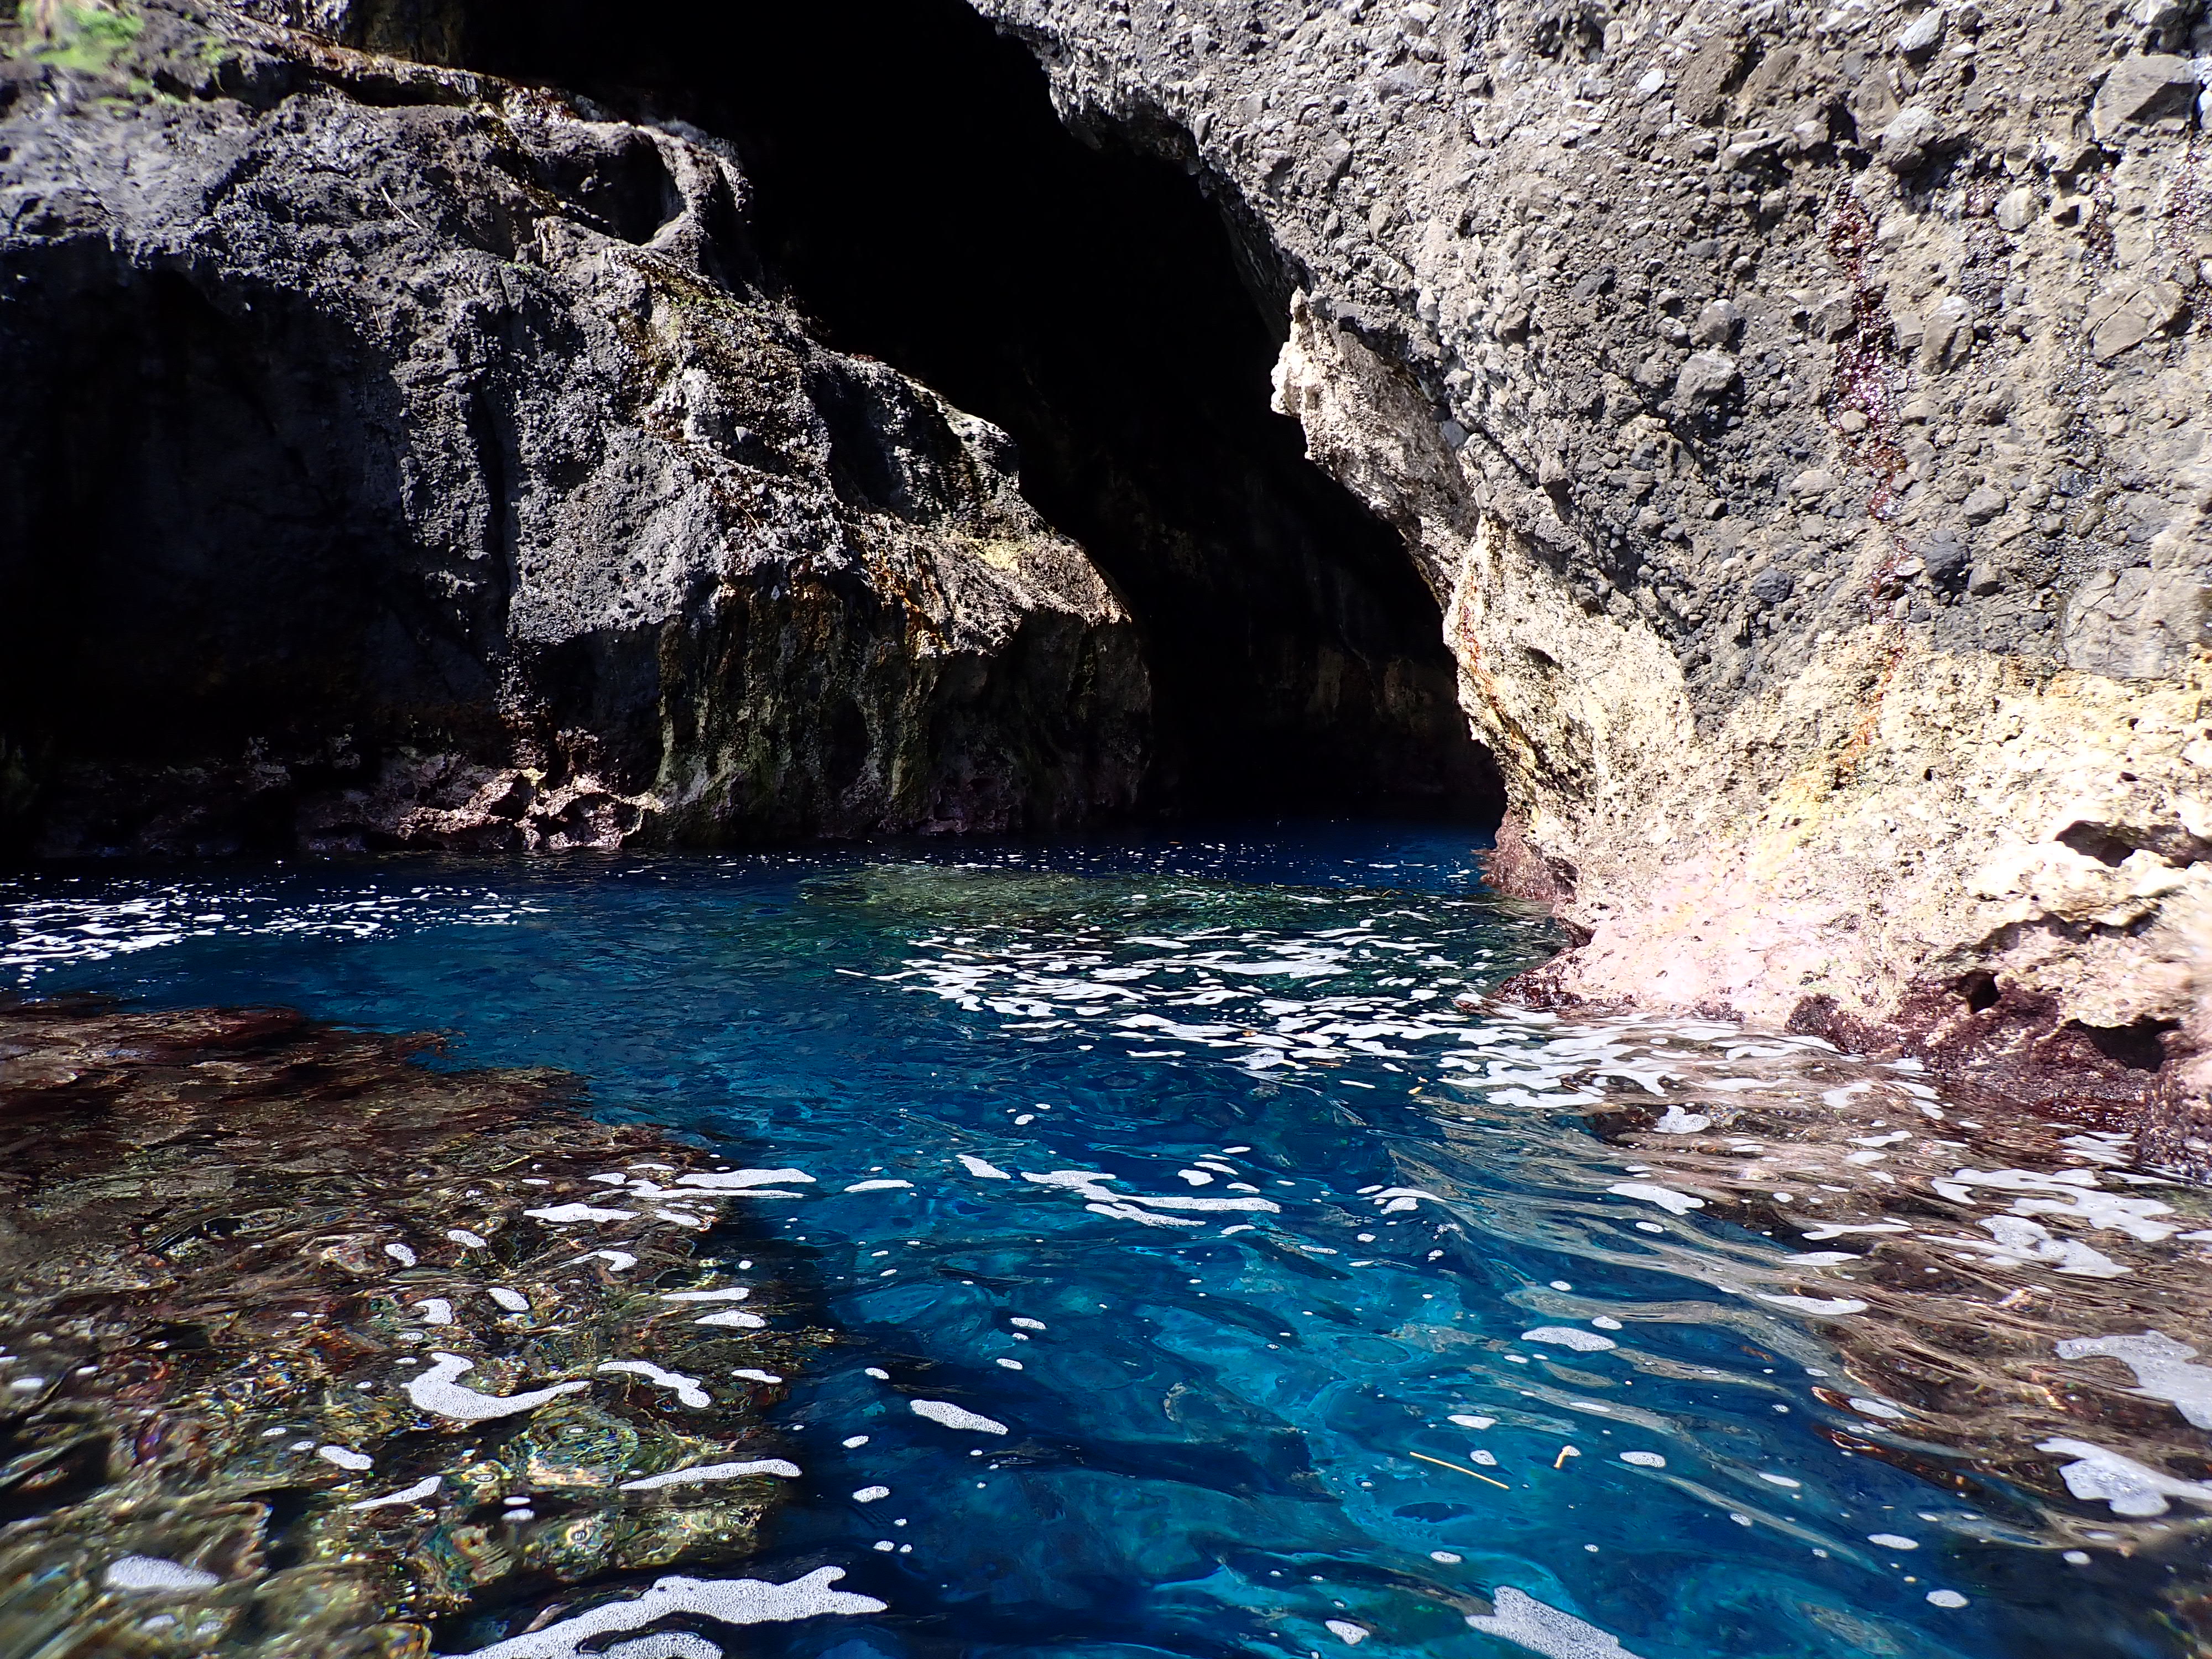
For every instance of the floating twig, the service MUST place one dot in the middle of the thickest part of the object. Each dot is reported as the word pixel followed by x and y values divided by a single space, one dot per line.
pixel 1441 1464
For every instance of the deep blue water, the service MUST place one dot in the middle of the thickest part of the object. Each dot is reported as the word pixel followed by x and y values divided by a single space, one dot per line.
pixel 1228 1426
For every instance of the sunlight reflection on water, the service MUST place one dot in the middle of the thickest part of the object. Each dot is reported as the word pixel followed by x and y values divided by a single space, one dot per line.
pixel 1219 1264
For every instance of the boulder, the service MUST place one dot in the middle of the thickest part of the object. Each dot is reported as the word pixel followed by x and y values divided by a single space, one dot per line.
pixel 2150 86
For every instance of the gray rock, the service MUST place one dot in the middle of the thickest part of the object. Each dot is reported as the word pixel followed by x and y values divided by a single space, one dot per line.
pixel 1983 504
pixel 2129 312
pixel 2151 87
pixel 2136 623
pixel 1946 334
pixel 1706 377
pixel 2016 208
pixel 1943 556
pixel 1923 34
pixel 1716 323
pixel 1912 133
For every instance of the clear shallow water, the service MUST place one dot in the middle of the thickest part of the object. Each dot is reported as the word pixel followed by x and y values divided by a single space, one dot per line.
pixel 1314 1309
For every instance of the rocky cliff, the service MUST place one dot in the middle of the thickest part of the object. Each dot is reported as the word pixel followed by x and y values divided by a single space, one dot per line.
pixel 1797 415
pixel 1801 412
pixel 392 456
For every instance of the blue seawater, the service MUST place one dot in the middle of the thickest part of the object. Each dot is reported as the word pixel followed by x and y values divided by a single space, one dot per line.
pixel 1261 1336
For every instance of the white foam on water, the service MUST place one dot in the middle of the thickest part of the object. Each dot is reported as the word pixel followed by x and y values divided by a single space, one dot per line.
pixel 151 1572
pixel 1947 1598
pixel 685 1388
pixel 752 1375
pixel 1146 1217
pixel 1893 1540
pixel 731 1293
pixel 435 1391
pixel 461 1235
pixel 619 1261
pixel 1666 1198
pixel 699 1472
pixel 2084 1202
pixel 1027 1324
pixel 664 1644
pixel 435 1310
pixel 1571 1336
pixel 1474 1422
pixel 735 1317
pixel 1091 1185
pixel 2161 1368
pixel 727 1601
pixel 1397 1201
pixel 2131 1488
pixel 1644 1460
pixel 1345 1630
pixel 2020 1242
pixel 561 1214
pixel 739 1181
pixel 1832 1306
pixel 981 1170
pixel 876 1186
pixel 512 1301
pixel 955 1417
pixel 345 1457
pixel 400 1254
pixel 870 1494
pixel 1676 1122
pixel 1833 1230
pixel 1523 1620
pixel 1877 1408
pixel 414 1494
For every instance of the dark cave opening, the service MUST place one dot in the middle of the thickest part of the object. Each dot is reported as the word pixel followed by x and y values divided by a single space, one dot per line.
pixel 926 207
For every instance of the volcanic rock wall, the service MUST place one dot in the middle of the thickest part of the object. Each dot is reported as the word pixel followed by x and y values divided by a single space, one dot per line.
pixel 1802 412
pixel 391 456
pixel 1798 413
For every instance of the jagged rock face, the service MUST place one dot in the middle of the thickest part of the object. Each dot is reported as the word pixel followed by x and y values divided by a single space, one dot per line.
pixel 1800 417
pixel 1805 412
pixel 395 457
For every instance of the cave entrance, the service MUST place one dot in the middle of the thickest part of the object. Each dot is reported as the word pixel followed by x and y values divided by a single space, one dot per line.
pixel 926 206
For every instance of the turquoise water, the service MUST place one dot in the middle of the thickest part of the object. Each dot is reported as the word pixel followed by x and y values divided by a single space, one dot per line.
pixel 1292 1268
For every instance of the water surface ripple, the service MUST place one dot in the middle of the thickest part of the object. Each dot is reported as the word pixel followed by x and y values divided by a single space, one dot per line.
pixel 1218 1268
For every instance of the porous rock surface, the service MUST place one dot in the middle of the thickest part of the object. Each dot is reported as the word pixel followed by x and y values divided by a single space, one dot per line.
pixel 1801 412
pixel 395 457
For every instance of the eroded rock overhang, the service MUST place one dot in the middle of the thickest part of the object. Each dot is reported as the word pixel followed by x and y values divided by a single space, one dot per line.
pixel 394 457
pixel 453 460
pixel 1804 414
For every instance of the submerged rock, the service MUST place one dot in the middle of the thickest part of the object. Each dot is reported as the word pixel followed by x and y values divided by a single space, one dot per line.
pixel 291 1360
